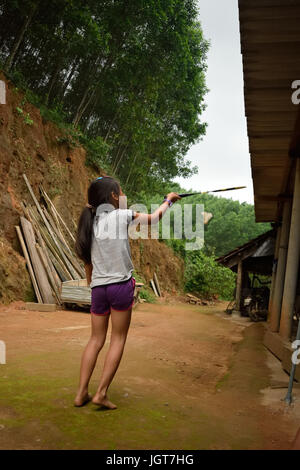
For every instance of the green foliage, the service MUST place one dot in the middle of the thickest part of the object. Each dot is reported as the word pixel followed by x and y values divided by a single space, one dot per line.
pixel 205 277
pixel 233 224
pixel 55 114
pixel 28 120
pixel 29 295
pixel 130 74
pixel 145 292
pixel 147 295
pixel 97 151
pixel 127 81
pixel 26 116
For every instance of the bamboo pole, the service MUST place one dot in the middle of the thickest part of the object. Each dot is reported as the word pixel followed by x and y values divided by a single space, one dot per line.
pixel 70 268
pixel 157 284
pixel 153 287
pixel 45 250
pixel 40 273
pixel 29 266
pixel 48 271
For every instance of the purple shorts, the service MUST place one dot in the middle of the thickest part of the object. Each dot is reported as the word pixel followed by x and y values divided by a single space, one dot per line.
pixel 119 296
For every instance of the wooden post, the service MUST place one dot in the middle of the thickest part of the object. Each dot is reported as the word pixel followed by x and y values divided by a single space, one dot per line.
pixel 153 287
pixel 292 265
pixel 275 308
pixel 38 268
pixel 157 284
pixel 29 265
pixel 274 272
pixel 238 295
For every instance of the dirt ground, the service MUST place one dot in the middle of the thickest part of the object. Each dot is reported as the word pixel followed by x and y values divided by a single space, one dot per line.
pixel 191 378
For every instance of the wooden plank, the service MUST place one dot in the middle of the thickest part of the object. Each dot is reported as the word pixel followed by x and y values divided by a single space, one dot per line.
pixel 48 271
pixel 48 200
pixel 153 287
pixel 41 307
pixel 50 264
pixel 29 265
pixel 193 297
pixel 52 251
pixel 59 269
pixel 55 255
pixel 39 270
pixel 33 217
pixel 56 229
pixel 51 232
pixel 157 284
pixel 66 249
pixel 77 283
pixel 79 294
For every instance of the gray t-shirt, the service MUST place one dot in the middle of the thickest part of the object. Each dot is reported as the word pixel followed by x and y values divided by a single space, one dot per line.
pixel 110 251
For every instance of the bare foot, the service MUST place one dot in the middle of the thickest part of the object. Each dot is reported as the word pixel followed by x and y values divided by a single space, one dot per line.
pixel 82 400
pixel 101 400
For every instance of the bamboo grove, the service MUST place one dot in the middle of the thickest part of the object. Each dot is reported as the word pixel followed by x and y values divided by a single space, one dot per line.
pixel 128 75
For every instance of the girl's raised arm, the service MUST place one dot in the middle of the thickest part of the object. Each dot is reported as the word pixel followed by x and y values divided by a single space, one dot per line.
pixel 148 219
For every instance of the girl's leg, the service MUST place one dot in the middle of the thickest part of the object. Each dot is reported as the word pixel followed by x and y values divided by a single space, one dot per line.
pixel 90 355
pixel 120 324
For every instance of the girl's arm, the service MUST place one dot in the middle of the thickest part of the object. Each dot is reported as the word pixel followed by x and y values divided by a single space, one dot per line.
pixel 148 219
pixel 88 271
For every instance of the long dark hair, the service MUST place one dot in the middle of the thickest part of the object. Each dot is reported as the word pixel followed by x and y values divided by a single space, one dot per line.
pixel 99 192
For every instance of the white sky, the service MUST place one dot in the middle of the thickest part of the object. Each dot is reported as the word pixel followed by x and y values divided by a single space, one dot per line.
pixel 223 154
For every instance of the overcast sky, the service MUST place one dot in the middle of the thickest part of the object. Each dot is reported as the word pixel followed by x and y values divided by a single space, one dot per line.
pixel 223 154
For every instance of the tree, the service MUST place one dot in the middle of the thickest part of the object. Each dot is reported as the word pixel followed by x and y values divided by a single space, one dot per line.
pixel 129 73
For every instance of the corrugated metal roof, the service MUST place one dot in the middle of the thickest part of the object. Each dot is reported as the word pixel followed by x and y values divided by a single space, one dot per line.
pixel 263 245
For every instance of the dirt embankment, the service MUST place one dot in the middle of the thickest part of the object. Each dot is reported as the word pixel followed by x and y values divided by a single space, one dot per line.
pixel 30 145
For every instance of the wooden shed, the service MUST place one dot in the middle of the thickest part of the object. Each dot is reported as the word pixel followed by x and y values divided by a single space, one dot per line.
pixel 254 257
pixel 270 44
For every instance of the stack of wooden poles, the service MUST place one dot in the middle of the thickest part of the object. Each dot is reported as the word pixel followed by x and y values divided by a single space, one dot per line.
pixel 47 244
pixel 155 285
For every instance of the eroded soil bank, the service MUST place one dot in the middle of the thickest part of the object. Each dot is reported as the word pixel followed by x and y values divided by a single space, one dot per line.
pixel 42 151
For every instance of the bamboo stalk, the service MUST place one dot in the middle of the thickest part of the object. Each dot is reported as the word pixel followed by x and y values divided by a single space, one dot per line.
pixel 157 284
pixel 70 268
pixel 55 255
pixel 153 287
pixel 29 266
pixel 60 270
pixel 48 271
pixel 66 249
pixel 40 273
pixel 56 229
pixel 45 251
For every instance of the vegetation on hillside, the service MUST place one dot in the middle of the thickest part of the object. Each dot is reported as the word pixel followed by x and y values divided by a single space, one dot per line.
pixel 232 225
pixel 128 75
pixel 127 81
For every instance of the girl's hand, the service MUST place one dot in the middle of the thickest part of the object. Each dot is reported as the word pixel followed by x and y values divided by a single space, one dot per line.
pixel 173 197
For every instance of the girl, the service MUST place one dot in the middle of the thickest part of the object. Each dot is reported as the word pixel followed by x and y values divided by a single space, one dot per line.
pixel 102 243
